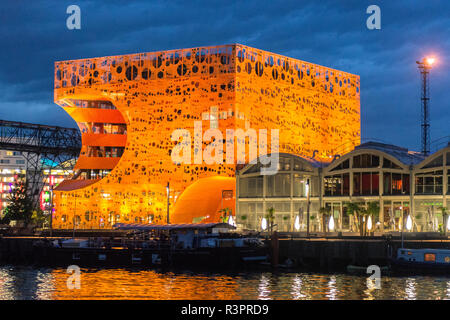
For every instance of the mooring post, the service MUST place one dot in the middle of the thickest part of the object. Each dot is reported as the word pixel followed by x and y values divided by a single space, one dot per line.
pixel 275 248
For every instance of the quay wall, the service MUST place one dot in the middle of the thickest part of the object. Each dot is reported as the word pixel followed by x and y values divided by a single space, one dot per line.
pixel 314 254
pixel 337 254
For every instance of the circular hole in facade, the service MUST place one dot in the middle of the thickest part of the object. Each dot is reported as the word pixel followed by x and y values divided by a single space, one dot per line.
pixel 275 74
pixel 248 67
pixel 119 69
pixel 145 74
pixel 131 72
pixel 74 81
pixel 240 56
pixel 195 69
pixel 200 56
pixel 181 69
pixel 259 68
pixel 157 62
pixel 160 74
pixel 224 59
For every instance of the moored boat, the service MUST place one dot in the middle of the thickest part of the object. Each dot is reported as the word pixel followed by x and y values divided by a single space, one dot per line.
pixel 196 245
pixel 422 261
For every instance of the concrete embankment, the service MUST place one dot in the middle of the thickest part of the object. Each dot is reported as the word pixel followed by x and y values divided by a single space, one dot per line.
pixel 315 254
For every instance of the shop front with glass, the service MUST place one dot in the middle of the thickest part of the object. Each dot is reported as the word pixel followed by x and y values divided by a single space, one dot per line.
pixel 405 186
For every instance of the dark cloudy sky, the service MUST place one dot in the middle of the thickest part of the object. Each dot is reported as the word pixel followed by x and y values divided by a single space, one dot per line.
pixel 33 35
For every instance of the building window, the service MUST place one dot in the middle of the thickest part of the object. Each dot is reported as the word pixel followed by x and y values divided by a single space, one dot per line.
pixel 300 166
pixel 93 104
pixel 366 161
pixel 279 185
pixel 251 187
pixel 20 161
pixel 429 183
pixel 448 182
pixel 366 183
pixel 396 183
pixel 389 164
pixel 299 186
pixel 344 165
pixel 284 164
pixel 108 152
pixel 4 161
pixel 337 185
pixel 438 162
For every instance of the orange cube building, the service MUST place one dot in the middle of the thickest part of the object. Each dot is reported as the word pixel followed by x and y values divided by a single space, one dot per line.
pixel 127 108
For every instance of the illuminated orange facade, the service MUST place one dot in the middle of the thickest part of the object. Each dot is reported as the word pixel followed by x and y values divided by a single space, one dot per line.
pixel 128 106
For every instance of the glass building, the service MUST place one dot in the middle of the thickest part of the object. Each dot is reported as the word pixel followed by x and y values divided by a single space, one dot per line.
pixel 402 183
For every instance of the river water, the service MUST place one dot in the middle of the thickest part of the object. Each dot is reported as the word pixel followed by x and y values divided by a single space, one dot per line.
pixel 51 284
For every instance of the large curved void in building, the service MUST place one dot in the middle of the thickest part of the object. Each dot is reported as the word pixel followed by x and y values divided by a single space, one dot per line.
pixel 104 135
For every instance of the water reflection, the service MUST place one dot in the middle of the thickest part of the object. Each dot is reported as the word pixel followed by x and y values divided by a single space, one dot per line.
pixel 410 289
pixel 332 290
pixel 296 290
pixel 31 283
pixel 448 290
pixel 263 288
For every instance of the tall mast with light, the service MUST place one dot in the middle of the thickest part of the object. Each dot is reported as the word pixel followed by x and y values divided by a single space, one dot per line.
pixel 425 67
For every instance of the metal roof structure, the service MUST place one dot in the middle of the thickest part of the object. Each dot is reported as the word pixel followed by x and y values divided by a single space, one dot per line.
pixel 401 154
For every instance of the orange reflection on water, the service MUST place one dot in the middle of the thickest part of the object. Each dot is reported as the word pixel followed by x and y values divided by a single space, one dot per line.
pixel 144 284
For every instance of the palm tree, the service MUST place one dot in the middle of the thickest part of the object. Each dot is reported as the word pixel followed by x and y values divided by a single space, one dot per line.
pixel 325 212
pixel 356 210
pixel 226 212
pixel 270 216
pixel 444 219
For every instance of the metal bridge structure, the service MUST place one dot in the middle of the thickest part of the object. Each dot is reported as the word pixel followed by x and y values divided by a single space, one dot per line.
pixel 37 143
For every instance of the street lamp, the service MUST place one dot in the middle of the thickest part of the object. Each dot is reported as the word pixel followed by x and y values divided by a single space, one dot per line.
pixel 307 206
pixel 331 223
pixel 297 223
pixel 168 203
pixel 409 223
pixel 231 221
pixel 369 223
pixel 264 224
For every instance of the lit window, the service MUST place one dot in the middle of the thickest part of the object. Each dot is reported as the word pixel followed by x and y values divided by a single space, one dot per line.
pixel 430 257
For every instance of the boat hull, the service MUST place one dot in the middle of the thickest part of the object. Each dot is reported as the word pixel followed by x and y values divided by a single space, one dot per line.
pixel 419 268
pixel 101 257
